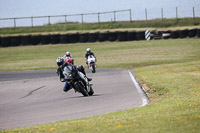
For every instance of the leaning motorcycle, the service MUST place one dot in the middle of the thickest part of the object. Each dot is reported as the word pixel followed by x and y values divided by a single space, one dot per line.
pixel 77 80
pixel 91 61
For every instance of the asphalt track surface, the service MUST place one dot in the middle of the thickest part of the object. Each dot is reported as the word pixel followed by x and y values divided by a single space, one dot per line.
pixel 31 98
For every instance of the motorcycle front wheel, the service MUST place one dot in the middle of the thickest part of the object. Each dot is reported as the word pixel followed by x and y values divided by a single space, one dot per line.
pixel 82 89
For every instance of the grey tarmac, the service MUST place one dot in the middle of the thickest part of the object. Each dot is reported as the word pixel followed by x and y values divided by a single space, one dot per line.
pixel 30 98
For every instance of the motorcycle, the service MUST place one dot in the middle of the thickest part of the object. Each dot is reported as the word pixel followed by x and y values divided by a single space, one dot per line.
pixel 77 80
pixel 70 60
pixel 91 61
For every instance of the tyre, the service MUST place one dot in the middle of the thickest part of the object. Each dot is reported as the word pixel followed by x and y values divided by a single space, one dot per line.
pixel 93 69
pixel 113 36
pixel 25 40
pixel 84 37
pixel 82 89
pixel 103 36
pixel 91 91
pixel 123 36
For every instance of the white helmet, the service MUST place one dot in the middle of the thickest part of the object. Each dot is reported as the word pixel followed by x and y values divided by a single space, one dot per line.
pixel 67 53
pixel 88 49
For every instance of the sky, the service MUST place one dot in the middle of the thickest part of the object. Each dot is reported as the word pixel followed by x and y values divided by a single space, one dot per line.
pixel 26 8
pixel 29 8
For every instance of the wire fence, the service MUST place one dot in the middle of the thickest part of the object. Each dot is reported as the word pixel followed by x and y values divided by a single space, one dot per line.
pixel 99 17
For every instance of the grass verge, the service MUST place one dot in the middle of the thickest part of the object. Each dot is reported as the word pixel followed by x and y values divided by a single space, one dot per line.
pixel 62 27
pixel 170 69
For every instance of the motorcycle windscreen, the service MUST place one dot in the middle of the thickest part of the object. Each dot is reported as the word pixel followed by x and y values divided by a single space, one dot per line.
pixel 67 72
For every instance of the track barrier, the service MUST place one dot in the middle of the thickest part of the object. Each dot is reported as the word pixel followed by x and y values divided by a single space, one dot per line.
pixel 84 37
pixel 93 37
pixel 112 36
pixel 64 38
pixel 45 39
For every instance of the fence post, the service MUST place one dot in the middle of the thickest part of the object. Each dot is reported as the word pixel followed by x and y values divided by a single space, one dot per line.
pixel 32 21
pixel 146 13
pixel 14 22
pixel 65 19
pixel 98 17
pixel 130 16
pixel 82 18
pixel 114 16
pixel 162 14
pixel 193 13
pixel 177 13
pixel 49 20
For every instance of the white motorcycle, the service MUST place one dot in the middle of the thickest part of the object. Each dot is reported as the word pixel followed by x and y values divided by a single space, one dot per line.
pixel 91 61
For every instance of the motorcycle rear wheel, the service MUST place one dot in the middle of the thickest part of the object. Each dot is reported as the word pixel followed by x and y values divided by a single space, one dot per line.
pixel 93 69
pixel 91 91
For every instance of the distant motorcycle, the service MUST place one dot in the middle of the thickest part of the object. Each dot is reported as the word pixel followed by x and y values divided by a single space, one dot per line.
pixel 70 60
pixel 91 61
pixel 77 80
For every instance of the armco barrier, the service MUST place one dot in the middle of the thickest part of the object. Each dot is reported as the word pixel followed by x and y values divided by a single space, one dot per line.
pixel 131 35
pixel 140 35
pixel 45 39
pixel 35 39
pixel 112 36
pixel 26 40
pixel 83 37
pixel 103 36
pixel 55 38
pixel 6 41
pixel 183 33
pixel 73 37
pixel 192 32
pixel 175 34
pixel 64 38
pixel 93 37
pixel 122 36
pixel 15 40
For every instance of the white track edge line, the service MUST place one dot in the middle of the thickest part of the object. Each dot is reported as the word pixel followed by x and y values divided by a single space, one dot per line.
pixel 139 89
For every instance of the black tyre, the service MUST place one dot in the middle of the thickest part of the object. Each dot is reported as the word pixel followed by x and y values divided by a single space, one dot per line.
pixel 82 89
pixel 192 32
pixel 64 38
pixel 183 33
pixel 140 35
pixel 113 36
pixel 45 39
pixel 84 37
pixel 93 69
pixel 103 36
pixel 131 35
pixel 55 38
pixel 25 40
pixel 91 91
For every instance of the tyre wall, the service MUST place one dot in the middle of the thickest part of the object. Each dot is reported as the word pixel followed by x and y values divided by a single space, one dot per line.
pixel 64 38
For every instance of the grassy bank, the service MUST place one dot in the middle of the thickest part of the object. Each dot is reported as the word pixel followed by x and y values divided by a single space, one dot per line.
pixel 170 69
pixel 69 27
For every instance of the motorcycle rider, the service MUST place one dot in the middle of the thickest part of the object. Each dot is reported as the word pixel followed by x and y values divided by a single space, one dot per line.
pixel 88 53
pixel 61 64
pixel 68 56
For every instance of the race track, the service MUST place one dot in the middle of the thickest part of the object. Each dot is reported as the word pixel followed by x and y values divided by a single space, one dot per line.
pixel 36 97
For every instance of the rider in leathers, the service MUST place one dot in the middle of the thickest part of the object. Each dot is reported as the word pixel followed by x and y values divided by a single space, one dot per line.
pixel 61 64
pixel 88 53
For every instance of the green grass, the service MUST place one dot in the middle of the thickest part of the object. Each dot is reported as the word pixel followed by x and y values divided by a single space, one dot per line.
pixel 62 27
pixel 170 69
